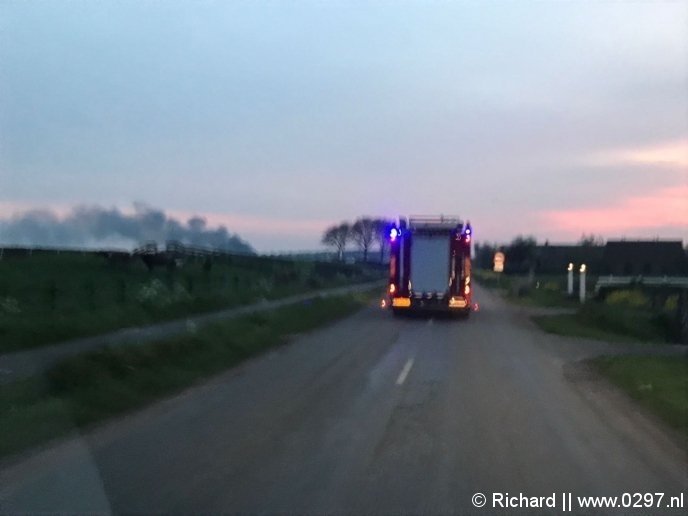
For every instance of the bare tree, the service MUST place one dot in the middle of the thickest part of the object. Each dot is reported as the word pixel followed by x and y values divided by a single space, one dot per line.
pixel 591 240
pixel 363 233
pixel 382 227
pixel 338 237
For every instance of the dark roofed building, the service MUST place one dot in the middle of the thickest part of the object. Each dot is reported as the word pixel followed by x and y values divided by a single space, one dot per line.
pixel 552 259
pixel 644 257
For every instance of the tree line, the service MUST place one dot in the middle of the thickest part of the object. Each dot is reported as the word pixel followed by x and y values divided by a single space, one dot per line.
pixel 522 251
pixel 365 233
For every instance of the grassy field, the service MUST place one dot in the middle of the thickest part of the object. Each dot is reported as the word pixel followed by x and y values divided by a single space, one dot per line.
pixel 658 383
pixel 616 321
pixel 570 324
pixel 626 315
pixel 614 325
pixel 95 386
pixel 48 298
pixel 546 290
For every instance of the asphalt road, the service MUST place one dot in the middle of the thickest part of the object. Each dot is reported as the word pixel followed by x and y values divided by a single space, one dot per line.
pixel 370 415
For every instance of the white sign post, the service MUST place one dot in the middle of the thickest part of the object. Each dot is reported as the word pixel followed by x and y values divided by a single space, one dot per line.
pixel 582 283
pixel 569 285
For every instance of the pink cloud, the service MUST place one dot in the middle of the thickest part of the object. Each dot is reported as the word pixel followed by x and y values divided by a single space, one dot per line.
pixel 663 208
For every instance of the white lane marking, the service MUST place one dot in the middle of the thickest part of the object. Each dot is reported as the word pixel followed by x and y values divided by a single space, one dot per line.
pixel 405 371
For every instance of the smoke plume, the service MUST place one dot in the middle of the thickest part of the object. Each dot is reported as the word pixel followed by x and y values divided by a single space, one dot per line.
pixel 93 226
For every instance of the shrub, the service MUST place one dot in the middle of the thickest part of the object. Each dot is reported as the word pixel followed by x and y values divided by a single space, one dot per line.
pixel 671 304
pixel 639 323
pixel 628 298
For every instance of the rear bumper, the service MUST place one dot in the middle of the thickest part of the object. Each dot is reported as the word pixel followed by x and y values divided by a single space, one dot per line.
pixel 430 305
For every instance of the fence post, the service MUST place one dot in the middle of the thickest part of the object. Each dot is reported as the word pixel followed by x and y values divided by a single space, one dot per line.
pixel 582 283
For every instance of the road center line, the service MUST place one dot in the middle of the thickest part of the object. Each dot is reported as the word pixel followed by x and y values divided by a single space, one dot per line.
pixel 405 371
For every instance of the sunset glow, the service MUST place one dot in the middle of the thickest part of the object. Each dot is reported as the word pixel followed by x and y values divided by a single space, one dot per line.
pixel 674 153
pixel 661 209
pixel 538 118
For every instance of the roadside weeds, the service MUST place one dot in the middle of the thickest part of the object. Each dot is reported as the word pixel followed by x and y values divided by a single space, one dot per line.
pixel 95 386
pixel 47 299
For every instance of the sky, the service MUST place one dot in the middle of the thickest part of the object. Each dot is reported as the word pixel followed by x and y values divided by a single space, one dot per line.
pixel 280 118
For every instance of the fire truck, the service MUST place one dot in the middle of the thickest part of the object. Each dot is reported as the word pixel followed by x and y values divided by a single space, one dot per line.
pixel 430 265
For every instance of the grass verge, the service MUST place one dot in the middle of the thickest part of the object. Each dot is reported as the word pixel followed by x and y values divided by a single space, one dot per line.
pixel 658 383
pixel 95 386
pixel 48 298
pixel 596 320
pixel 570 325
pixel 543 297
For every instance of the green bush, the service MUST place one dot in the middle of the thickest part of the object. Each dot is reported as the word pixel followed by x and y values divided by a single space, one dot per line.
pixel 671 304
pixel 628 298
pixel 633 322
